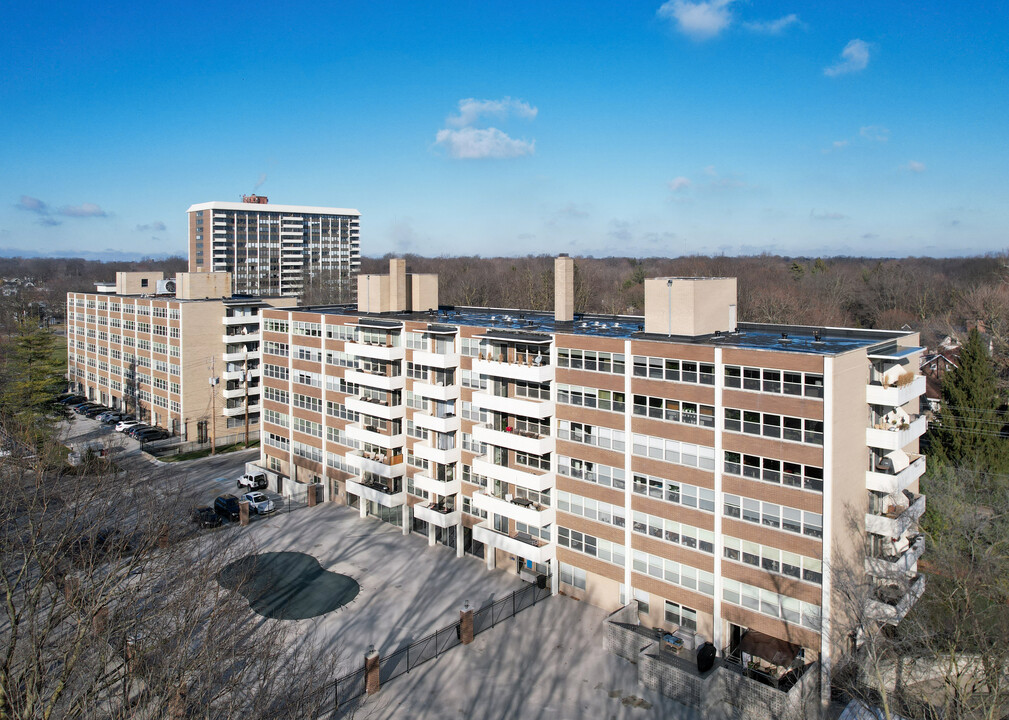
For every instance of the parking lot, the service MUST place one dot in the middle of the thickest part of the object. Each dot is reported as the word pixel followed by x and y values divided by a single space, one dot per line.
pixel 204 479
pixel 546 663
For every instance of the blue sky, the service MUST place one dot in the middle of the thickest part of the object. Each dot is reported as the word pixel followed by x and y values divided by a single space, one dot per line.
pixel 642 128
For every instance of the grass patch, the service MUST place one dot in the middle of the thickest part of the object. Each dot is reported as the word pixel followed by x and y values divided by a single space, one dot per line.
pixel 196 454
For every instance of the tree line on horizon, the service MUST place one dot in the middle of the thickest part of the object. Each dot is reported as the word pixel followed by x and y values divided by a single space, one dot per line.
pixel 936 296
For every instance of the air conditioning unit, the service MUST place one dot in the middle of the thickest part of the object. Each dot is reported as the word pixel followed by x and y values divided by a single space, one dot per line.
pixel 166 287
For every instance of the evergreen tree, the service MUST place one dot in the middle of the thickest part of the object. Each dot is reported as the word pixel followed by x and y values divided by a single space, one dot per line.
pixel 969 431
pixel 34 370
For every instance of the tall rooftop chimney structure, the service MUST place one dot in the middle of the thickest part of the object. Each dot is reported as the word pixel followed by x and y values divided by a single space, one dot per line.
pixel 564 288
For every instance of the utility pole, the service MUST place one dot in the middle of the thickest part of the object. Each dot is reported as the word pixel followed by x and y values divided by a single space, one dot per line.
pixel 213 406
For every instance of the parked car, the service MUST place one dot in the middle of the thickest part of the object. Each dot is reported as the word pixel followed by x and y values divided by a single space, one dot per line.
pixel 111 418
pixel 206 517
pixel 95 411
pixel 71 400
pixel 126 424
pixel 152 433
pixel 259 503
pixel 137 429
pixel 227 507
pixel 253 481
pixel 84 407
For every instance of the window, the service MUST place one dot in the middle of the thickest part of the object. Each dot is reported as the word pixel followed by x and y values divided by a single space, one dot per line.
pixel 590 360
pixel 674 411
pixel 591 472
pixel 681 615
pixel 769 425
pixel 573 576
pixel 686 371
pixel 674 492
pixel 774 516
pixel 681 453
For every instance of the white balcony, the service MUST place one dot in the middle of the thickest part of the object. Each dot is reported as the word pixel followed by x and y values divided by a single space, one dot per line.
pixel 366 407
pixel 375 352
pixel 895 396
pixel 906 563
pixel 518 509
pixel 361 434
pixel 240 392
pixel 425 512
pixel 395 467
pixel 896 522
pixel 438 360
pixel 241 338
pixel 891 483
pixel 242 356
pixel 514 475
pixel 437 487
pixel 241 409
pixel 438 424
pixel 514 371
pixel 514 406
pixel 537 445
pixel 432 454
pixel 435 392
pixel 896 439
pixel 380 382
pixel 892 602
pixel 232 375
pixel 376 495
pixel 252 320
pixel 536 551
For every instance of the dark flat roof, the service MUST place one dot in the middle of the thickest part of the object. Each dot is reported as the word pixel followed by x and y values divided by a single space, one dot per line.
pixel 512 325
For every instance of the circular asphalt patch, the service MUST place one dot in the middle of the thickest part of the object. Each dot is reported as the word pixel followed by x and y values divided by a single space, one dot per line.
pixel 288 585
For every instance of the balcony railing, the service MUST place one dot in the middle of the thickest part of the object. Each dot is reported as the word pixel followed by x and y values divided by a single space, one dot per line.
pixel 904 563
pixel 892 601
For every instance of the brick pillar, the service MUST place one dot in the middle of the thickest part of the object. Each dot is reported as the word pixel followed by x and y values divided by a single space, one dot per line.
pixel 371 668
pixel 243 512
pixel 312 496
pixel 100 621
pixel 177 705
pixel 466 624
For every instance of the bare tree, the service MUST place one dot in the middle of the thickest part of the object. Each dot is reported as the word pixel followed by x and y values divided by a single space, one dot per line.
pixel 112 606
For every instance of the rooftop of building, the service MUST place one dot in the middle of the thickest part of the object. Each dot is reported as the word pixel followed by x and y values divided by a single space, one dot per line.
pixel 237 299
pixel 532 326
pixel 271 208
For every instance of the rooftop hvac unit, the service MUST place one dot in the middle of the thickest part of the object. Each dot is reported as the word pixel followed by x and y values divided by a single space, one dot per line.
pixel 166 287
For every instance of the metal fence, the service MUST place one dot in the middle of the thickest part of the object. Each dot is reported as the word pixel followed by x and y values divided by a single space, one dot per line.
pixel 353 685
pixel 175 446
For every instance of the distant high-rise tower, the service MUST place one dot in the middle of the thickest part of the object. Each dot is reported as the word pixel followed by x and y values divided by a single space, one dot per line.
pixel 277 249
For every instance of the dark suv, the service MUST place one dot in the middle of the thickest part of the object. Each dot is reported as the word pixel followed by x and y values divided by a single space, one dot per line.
pixel 227 507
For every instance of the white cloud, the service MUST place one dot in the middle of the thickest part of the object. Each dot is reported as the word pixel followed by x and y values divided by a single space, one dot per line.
pixel 477 143
pixel 874 132
pixel 679 184
pixel 471 110
pixel 773 27
pixel 465 142
pixel 699 20
pixel 916 167
pixel 854 58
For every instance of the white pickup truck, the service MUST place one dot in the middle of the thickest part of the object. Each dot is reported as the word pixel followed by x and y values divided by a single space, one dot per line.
pixel 252 481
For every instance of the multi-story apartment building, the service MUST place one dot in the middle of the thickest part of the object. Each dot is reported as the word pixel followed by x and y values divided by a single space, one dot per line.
pixel 714 471
pixel 151 346
pixel 276 249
